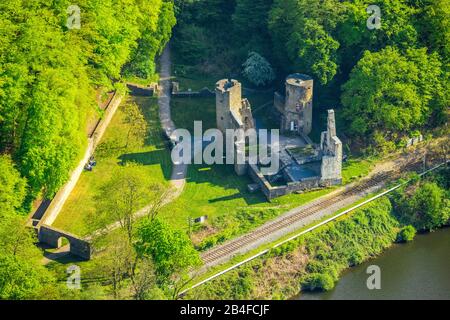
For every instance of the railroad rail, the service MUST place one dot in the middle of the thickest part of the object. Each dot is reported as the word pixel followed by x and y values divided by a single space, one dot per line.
pixel 214 255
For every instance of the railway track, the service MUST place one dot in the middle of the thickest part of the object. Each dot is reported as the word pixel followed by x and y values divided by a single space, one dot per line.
pixel 214 255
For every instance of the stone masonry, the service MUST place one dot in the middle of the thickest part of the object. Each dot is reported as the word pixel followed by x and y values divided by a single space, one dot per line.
pixel 295 108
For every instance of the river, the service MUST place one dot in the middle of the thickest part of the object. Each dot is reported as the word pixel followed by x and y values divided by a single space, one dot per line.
pixel 416 270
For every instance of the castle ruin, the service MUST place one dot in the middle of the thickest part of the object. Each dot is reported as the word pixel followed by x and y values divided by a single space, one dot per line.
pixel 303 164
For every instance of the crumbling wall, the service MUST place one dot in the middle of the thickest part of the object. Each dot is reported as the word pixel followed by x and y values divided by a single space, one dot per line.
pixel 53 238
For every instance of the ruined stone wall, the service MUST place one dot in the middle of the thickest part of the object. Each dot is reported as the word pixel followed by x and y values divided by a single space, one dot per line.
pixel 61 196
pixel 228 99
pixel 53 238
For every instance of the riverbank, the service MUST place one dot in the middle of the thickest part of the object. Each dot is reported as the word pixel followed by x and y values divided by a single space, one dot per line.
pixel 415 270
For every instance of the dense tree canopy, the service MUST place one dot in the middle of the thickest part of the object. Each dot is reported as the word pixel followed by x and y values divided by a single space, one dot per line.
pixel 258 70
pixel 391 91
pixel 170 249
pixel 48 73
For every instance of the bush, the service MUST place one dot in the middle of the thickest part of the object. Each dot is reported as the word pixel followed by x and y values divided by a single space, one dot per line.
pixel 317 281
pixel 426 208
pixel 406 234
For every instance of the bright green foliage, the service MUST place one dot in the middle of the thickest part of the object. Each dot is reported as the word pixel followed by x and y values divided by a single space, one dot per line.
pixel 391 92
pixel 171 250
pixel 156 25
pixel 21 274
pixel 317 281
pixel 48 73
pixel 434 22
pixel 12 190
pixel 258 70
pixel 407 234
pixel 426 209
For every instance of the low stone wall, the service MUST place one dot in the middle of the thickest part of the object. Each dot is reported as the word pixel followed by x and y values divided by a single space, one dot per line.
pixel 53 237
pixel 61 196
pixel 273 192
pixel 139 90
pixel 205 92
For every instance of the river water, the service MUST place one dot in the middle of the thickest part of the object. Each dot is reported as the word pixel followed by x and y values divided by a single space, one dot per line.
pixel 416 270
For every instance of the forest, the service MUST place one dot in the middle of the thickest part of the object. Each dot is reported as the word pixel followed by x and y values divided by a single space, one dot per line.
pixel 50 76
pixel 386 83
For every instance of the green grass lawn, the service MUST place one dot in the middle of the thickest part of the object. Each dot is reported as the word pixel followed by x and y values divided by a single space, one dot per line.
pixel 216 191
pixel 185 111
pixel 149 150
pixel 354 169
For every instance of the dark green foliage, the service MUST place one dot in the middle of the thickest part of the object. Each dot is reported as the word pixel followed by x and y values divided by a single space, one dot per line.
pixel 327 39
pixel 425 206
pixel 393 92
pixel 330 249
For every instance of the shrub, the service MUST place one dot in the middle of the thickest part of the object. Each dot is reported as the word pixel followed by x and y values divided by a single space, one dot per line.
pixel 317 281
pixel 406 234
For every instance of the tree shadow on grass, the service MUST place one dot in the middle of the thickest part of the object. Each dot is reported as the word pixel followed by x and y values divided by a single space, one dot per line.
pixel 160 157
pixel 225 177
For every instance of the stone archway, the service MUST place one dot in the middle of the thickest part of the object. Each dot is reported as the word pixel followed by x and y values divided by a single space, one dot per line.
pixel 53 237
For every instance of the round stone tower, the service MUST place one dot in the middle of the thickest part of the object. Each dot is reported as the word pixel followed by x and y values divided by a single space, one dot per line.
pixel 297 115
pixel 228 99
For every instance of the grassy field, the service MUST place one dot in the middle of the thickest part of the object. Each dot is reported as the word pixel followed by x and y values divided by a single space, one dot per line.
pixel 148 150
pixel 354 169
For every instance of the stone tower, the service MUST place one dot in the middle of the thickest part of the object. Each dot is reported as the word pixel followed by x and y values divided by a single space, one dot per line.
pixel 296 116
pixel 233 112
pixel 228 101
pixel 331 148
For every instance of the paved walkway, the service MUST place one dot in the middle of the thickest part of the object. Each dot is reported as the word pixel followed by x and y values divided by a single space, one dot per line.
pixel 178 176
